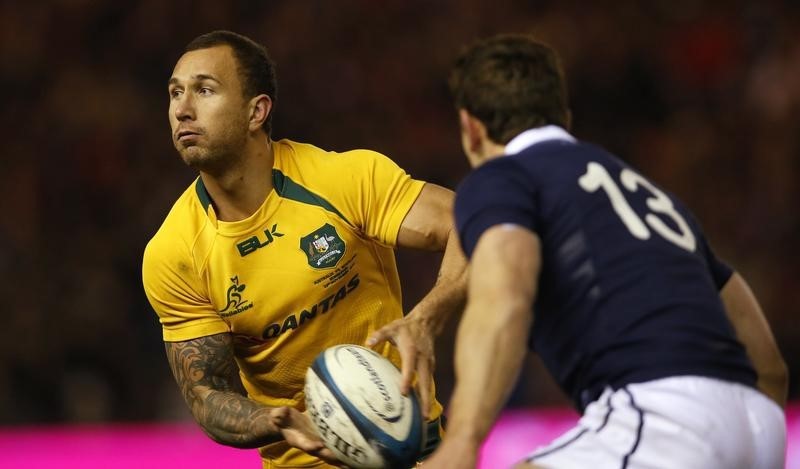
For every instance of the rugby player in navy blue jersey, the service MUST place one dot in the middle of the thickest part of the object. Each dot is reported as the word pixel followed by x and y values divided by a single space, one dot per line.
pixel 581 259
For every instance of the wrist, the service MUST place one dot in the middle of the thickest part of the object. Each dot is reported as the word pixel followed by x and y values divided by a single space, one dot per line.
pixel 269 422
pixel 465 434
pixel 424 322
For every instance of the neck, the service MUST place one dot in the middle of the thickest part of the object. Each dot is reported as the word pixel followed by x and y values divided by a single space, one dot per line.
pixel 238 191
pixel 487 151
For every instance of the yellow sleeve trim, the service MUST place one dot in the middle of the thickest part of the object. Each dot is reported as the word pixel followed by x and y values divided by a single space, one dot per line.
pixel 401 210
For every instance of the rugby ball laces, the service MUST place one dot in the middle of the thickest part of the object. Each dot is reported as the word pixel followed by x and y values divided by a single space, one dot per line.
pixel 353 398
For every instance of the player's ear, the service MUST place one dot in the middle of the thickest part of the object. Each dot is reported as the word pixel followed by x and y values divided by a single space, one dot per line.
pixel 473 131
pixel 260 107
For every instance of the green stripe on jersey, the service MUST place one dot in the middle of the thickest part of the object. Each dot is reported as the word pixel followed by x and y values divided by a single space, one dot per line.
pixel 202 194
pixel 285 187
pixel 289 189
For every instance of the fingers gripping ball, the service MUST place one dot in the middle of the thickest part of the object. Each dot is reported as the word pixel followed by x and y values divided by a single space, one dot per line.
pixel 353 398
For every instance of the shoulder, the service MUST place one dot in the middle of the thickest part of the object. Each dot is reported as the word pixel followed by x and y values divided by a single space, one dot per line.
pixel 179 231
pixel 331 173
pixel 499 191
pixel 507 164
pixel 495 178
pixel 304 155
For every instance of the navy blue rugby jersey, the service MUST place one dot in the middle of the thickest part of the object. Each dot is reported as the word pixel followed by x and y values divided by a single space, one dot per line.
pixel 628 290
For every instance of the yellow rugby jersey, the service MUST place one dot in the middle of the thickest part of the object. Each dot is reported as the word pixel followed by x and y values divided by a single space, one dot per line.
pixel 311 268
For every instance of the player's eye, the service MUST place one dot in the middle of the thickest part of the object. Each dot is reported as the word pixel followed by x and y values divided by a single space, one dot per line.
pixel 205 91
pixel 174 93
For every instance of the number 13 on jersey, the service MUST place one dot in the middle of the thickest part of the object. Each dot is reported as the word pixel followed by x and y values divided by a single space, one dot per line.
pixel 597 177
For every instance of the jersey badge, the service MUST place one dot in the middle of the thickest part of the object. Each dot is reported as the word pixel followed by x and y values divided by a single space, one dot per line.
pixel 323 247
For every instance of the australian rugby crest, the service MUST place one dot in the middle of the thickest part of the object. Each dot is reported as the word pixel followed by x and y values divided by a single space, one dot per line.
pixel 323 247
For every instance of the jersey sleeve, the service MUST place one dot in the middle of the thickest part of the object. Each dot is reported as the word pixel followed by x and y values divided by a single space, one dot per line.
pixel 720 271
pixel 382 196
pixel 176 294
pixel 496 193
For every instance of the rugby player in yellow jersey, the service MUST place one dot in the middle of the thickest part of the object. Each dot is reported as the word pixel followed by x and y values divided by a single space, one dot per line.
pixel 279 250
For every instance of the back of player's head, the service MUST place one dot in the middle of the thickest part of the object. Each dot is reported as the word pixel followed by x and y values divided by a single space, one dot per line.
pixel 256 69
pixel 510 83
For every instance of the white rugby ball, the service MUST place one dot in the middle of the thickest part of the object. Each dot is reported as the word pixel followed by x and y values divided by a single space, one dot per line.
pixel 353 397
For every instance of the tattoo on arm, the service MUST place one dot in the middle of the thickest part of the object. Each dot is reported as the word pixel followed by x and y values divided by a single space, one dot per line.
pixel 208 377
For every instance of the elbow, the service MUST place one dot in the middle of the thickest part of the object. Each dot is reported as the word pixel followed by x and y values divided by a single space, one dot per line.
pixel 783 374
pixel 235 440
pixel 437 239
pixel 216 436
pixel 776 375
pixel 242 424
pixel 773 381
pixel 439 236
pixel 212 430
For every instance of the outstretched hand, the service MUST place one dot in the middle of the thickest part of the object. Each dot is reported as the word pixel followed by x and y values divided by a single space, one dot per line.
pixel 414 340
pixel 298 431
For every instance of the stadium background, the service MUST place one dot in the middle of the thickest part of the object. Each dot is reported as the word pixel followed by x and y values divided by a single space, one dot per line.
pixel 702 96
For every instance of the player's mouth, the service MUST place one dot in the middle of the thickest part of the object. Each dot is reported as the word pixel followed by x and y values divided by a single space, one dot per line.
pixel 187 136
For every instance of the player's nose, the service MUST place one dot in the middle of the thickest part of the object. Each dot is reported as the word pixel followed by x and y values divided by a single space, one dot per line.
pixel 184 108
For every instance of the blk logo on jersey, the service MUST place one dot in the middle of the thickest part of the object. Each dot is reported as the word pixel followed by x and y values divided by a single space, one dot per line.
pixel 323 247
pixel 252 244
pixel 236 303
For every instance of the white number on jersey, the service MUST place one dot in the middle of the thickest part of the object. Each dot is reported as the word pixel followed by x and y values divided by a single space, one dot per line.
pixel 597 177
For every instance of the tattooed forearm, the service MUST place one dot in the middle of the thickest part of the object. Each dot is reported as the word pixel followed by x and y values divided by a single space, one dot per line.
pixel 208 377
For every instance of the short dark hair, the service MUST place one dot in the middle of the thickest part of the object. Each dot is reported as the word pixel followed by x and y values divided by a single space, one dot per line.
pixel 510 83
pixel 256 69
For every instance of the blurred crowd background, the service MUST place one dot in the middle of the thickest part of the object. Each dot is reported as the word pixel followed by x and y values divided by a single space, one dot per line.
pixel 702 96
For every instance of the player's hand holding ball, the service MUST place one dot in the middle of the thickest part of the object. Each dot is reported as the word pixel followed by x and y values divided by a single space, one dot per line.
pixel 298 430
pixel 415 342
